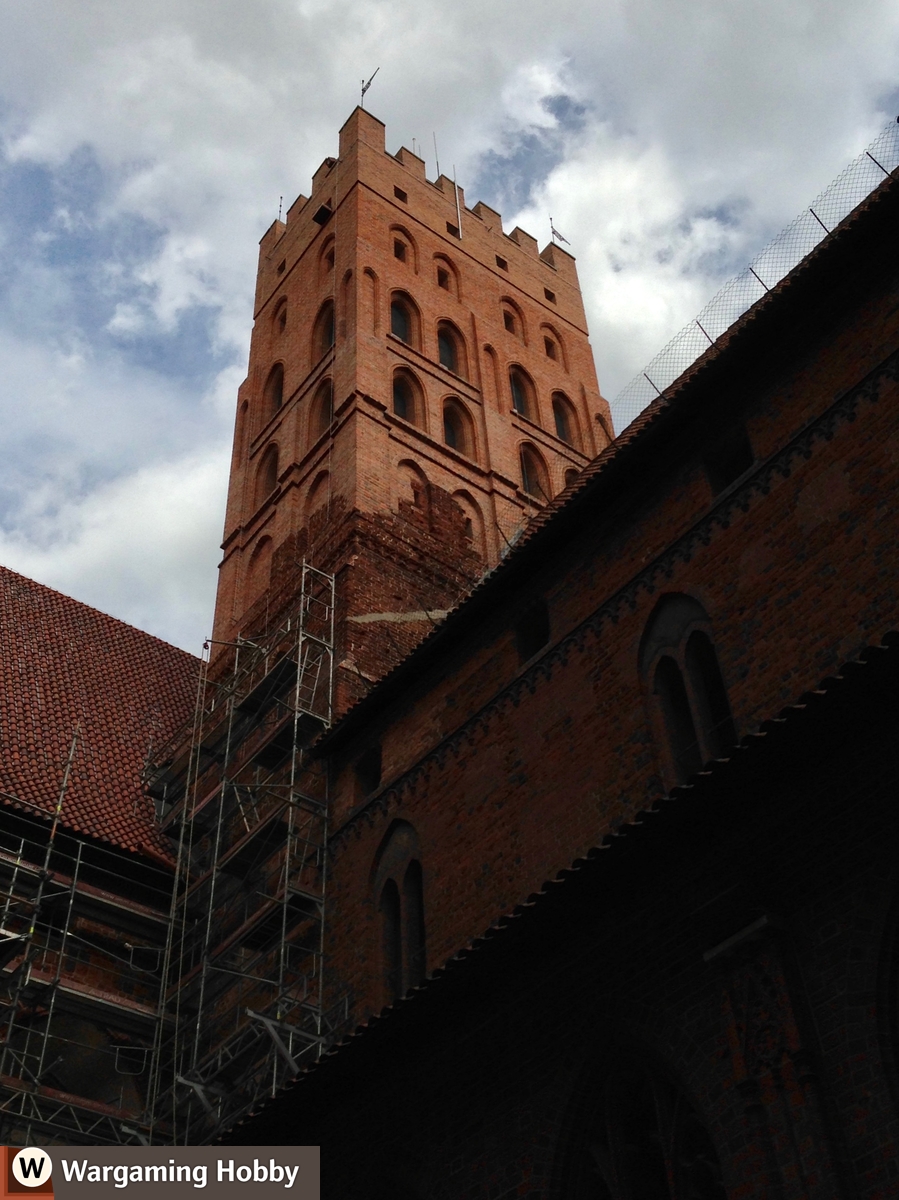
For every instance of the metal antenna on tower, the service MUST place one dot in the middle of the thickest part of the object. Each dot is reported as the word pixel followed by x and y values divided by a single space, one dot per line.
pixel 437 156
pixel 280 206
pixel 365 87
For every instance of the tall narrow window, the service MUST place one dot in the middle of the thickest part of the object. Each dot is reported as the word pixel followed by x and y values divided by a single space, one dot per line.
pixel 267 477
pixel 403 404
pixel 413 925
pixel 534 479
pixel 682 740
pixel 398 891
pixel 403 320
pixel 392 939
pixel 274 390
pixel 323 334
pixel 565 420
pixel 457 431
pixel 522 392
pixel 323 408
pixel 712 708
pixel 691 710
pixel 446 347
pixel 639 1138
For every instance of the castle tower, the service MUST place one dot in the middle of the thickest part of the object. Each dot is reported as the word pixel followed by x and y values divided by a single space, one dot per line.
pixel 419 385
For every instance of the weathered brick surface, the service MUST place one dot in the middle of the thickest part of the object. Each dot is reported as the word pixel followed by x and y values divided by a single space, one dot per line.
pixel 508 771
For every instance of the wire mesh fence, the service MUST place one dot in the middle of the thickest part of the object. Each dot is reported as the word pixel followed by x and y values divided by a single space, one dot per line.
pixel 767 269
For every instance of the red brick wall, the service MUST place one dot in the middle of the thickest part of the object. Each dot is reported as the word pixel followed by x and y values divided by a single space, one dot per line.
pixel 366 461
pixel 508 773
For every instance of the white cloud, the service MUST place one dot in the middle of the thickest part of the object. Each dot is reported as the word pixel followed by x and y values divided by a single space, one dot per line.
pixel 168 131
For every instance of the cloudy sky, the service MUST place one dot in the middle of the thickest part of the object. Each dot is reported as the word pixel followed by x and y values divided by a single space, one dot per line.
pixel 144 147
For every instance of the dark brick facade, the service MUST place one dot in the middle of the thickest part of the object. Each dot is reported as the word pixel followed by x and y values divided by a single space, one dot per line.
pixel 724 969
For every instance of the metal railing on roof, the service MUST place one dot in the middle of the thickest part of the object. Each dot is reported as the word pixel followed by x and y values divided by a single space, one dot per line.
pixel 853 185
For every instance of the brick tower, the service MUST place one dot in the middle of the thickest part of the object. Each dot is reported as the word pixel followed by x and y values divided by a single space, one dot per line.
pixel 419 385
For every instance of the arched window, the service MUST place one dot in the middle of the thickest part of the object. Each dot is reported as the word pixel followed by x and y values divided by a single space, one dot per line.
pixel 322 408
pixel 267 474
pixel 404 319
pixel 457 432
pixel 399 890
pixel 274 390
pixel 392 939
pixel 637 1137
pixel 259 569
pixel 413 917
pixel 571 475
pixel 403 246
pixel 407 397
pixel 689 699
pixel 446 275
pixel 565 420
pixel 534 479
pixel 473 523
pixel 326 259
pixel 550 347
pixel 513 319
pixel 279 320
pixel 522 393
pixel 451 349
pixel 323 331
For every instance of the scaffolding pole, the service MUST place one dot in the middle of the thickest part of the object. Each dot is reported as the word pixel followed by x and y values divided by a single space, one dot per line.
pixel 244 1004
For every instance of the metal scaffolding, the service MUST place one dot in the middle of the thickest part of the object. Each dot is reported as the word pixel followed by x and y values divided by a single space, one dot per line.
pixel 82 932
pixel 244 1005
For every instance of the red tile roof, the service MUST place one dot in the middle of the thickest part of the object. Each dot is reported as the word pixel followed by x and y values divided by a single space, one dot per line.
pixel 64 666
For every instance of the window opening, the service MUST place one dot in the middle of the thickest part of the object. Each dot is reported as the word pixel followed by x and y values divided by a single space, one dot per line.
pixel 708 689
pixel 443 279
pixel 400 195
pixel 453 428
pixel 682 740
pixel 509 321
pixel 324 403
pixel 399 250
pixel 403 397
pixel 532 631
pixel 550 347
pixel 414 925
pixel 400 323
pixel 282 266
pixel 520 393
pixel 533 475
pixel 274 389
pixel 551 296
pixel 562 420
pixel 391 935
pixel 448 353
pixel 452 229
pixel 501 263
pixel 323 215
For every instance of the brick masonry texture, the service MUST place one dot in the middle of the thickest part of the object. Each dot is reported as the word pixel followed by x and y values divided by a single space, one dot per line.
pixel 503 772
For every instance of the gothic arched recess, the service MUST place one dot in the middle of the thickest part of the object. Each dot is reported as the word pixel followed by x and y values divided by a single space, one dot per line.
pixel 632 1134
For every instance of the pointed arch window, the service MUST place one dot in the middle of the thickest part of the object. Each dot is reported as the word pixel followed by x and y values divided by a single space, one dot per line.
pixel 407 397
pixel 404 319
pixel 323 332
pixel 274 389
pixel 534 478
pixel 637 1136
pixel 689 698
pixel 322 408
pixel 267 474
pixel 399 884
pixel 565 420
pixel 522 390
pixel 457 431
pixel 451 349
